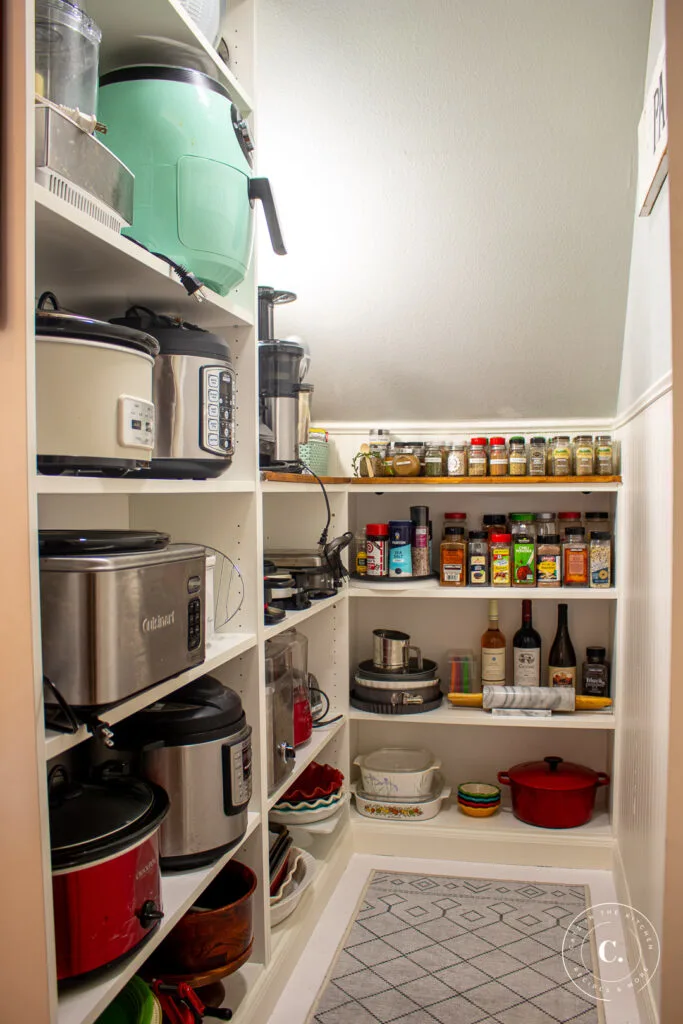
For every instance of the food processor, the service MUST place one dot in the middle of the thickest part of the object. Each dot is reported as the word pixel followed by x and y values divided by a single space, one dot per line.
pixel 282 366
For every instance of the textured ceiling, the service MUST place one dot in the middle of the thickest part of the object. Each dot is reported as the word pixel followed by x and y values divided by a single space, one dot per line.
pixel 456 184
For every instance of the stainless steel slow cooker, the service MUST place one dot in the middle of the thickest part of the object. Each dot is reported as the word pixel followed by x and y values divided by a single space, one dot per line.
pixel 94 408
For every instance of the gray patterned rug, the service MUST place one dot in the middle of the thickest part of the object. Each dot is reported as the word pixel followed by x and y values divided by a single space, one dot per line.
pixel 429 948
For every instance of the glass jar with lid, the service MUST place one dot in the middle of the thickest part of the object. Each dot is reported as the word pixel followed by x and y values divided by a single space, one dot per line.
pixel 379 441
pixel 546 524
pixel 456 462
pixel 583 455
pixel 477 458
pixel 518 456
pixel 406 459
pixel 498 457
pixel 433 460
pixel 537 456
pixel 605 461
pixel 560 456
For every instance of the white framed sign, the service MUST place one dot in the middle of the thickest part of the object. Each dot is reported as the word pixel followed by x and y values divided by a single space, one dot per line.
pixel 653 139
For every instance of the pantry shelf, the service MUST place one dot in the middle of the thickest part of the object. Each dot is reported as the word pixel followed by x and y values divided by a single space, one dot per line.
pixel 449 716
pixel 219 650
pixel 293 619
pixel 94 270
pixel 137 485
pixel 305 754
pixel 488 484
pixel 306 485
pixel 432 589
pixel 179 890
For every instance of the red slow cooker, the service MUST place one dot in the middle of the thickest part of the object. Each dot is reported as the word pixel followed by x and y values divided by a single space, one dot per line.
pixel 105 868
pixel 553 793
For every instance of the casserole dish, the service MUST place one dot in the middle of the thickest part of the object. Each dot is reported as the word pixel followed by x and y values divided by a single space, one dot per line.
pixel 553 793
pixel 406 808
pixel 397 772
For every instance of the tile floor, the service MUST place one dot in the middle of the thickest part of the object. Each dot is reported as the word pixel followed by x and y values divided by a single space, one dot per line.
pixel 309 973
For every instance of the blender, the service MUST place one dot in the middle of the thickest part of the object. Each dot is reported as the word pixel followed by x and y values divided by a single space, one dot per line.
pixel 282 365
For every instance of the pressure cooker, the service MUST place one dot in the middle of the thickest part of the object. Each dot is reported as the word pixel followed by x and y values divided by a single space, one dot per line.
pixel 194 397
pixel 94 410
pixel 196 744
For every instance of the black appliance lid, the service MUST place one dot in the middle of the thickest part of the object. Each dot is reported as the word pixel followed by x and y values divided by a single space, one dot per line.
pixel 55 322
pixel 100 542
pixel 175 337
pixel 201 711
pixel 91 820
pixel 164 73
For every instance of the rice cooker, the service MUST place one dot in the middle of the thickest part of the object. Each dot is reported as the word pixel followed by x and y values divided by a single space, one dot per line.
pixel 194 397
pixel 95 412
pixel 196 744
pixel 106 882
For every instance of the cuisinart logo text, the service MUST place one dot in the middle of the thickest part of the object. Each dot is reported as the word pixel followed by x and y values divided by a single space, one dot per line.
pixel 158 622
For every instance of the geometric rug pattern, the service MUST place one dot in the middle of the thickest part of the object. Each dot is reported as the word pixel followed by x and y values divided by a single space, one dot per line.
pixel 429 949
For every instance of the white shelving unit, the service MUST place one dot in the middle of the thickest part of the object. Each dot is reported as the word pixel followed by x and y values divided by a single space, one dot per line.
pixel 431 589
pixel 451 717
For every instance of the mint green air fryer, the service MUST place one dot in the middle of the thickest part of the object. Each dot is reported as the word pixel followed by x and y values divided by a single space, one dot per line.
pixel 180 134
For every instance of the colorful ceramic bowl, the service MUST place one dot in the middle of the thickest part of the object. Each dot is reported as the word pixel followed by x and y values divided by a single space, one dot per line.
pixel 478 812
pixel 480 792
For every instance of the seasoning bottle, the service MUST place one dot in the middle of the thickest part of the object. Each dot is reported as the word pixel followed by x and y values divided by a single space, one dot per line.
pixel 560 456
pixel 456 519
pixel 604 455
pixel 493 651
pixel 478 559
pixel 379 445
pixel 405 461
pixel 523 549
pixel 575 557
pixel 500 560
pixel 595 673
pixel 361 553
pixel 477 461
pixel 518 460
pixel 377 548
pixel 566 520
pixel 419 515
pixel 597 521
pixel 457 459
pixel 537 457
pixel 494 524
pixel 434 460
pixel 546 524
pixel 453 557
pixel 600 560
pixel 549 561
pixel 583 455
pixel 498 457
pixel 400 547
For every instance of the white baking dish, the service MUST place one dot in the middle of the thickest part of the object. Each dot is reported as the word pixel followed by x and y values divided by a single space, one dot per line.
pixel 389 809
pixel 397 772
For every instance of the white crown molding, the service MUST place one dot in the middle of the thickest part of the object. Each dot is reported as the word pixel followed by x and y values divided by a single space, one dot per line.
pixel 660 388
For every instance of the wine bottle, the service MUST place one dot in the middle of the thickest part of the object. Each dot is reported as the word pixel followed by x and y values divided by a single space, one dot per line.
pixel 562 661
pixel 526 651
pixel 493 651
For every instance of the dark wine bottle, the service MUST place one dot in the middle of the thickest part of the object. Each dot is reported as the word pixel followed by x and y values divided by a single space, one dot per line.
pixel 526 652
pixel 562 661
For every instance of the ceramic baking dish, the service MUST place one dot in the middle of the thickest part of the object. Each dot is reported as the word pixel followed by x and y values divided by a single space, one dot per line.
pixel 388 809
pixel 397 772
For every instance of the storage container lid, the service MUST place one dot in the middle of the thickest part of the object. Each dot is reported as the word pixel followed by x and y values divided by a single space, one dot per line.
pixel 100 542
pixel 397 759
pixel 58 325
pixel 553 773
pixel 201 711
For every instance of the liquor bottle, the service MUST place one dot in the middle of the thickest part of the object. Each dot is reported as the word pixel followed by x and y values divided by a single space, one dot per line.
pixel 526 651
pixel 493 651
pixel 562 661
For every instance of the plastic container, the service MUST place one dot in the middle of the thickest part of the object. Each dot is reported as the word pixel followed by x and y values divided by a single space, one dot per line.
pixel 501 569
pixel 523 549
pixel 377 549
pixel 478 559
pixel 400 545
pixel 67 56
pixel 463 672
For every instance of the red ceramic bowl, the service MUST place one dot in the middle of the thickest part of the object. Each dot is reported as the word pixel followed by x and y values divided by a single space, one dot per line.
pixel 316 781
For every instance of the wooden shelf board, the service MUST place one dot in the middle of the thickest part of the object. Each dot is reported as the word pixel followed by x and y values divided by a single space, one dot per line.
pixel 305 754
pixel 301 478
pixel 432 590
pixel 498 481
pixel 136 485
pixel 84 1003
pixel 293 619
pixel 220 649
pixel 96 271
pixel 450 716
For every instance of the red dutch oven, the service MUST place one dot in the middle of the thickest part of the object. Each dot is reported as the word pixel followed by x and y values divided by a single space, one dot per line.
pixel 553 793
pixel 106 883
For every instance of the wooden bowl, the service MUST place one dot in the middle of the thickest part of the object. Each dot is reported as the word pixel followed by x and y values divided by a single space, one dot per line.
pixel 214 935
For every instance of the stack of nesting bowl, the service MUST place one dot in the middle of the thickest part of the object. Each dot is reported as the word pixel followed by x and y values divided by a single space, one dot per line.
pixel 478 799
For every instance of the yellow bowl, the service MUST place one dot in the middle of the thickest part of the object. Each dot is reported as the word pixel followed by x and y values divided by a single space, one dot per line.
pixel 478 812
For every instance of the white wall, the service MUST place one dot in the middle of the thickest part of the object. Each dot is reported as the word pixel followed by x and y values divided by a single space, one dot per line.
pixel 456 184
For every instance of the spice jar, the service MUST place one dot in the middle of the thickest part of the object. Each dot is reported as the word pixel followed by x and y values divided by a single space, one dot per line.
pixel 434 460
pixel 498 457
pixel 419 515
pixel 595 674
pixel 405 461
pixel 500 560
pixel 549 561
pixel 546 524
pixel 566 520
pixel 477 462
pixel 494 524
pixel 379 446
pixel 518 463
pixel 605 455
pixel 523 529
pixel 597 521
pixel 575 557
pixel 453 561
pixel 400 547
pixel 478 559
pixel 456 519
pixel 377 549
pixel 457 459
pixel 583 455
pixel 560 456
pixel 537 457
pixel 600 560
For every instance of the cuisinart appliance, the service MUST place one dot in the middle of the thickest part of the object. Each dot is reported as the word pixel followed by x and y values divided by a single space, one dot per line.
pixel 120 611
pixel 94 410
pixel 196 744
pixel 181 136
pixel 279 710
pixel 194 397
pixel 281 369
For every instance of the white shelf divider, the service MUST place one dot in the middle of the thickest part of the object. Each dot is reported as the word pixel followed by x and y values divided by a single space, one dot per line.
pixel 139 485
pixel 305 754
pixel 431 589
pixel 449 716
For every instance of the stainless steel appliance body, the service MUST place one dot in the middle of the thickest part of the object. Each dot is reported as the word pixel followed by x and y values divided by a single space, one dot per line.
pixel 391 650
pixel 114 625
pixel 280 414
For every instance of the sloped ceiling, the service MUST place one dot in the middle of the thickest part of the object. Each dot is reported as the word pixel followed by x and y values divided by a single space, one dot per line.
pixel 456 186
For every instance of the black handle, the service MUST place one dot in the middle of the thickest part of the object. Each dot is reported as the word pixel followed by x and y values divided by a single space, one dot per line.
pixel 49 297
pixel 219 1013
pixel 149 914
pixel 259 188
pixel 553 762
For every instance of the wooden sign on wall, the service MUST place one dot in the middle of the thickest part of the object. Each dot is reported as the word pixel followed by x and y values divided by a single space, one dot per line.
pixel 653 138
